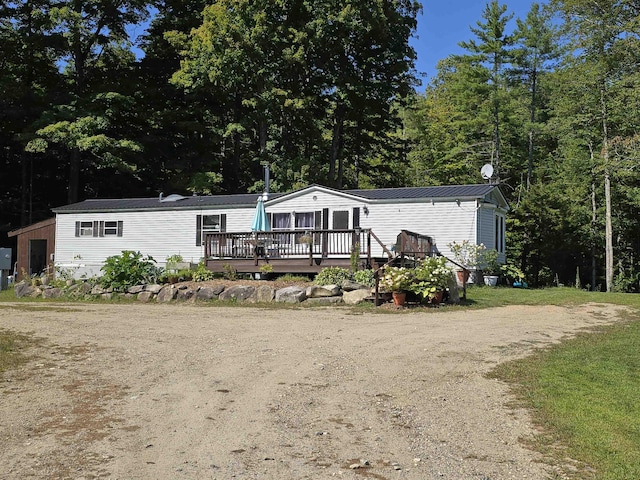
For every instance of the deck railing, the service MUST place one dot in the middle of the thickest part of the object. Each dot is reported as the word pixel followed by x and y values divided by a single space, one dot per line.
pixel 287 244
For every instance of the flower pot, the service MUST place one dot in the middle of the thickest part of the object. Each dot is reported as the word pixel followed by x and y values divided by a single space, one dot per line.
pixel 463 276
pixel 399 298
pixel 491 280
pixel 437 297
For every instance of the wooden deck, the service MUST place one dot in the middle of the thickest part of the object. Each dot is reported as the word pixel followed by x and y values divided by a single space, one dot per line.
pixel 305 251
pixel 287 251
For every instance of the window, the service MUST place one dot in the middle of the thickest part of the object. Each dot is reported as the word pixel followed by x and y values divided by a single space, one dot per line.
pixel 86 229
pixel 305 220
pixel 340 220
pixel 209 224
pixel 281 221
pixel 102 228
pixel 499 234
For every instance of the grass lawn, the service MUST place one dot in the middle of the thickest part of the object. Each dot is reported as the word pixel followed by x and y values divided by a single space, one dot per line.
pixel 585 392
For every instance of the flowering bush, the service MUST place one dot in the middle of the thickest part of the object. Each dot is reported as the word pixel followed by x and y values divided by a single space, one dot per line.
pixel 466 253
pixel 430 277
pixel 396 279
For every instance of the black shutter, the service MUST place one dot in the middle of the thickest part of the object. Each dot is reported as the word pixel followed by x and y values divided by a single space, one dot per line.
pixel 77 229
pixel 96 226
pixel 198 230
pixel 119 228
pixel 223 222
pixel 325 219
pixel 356 217
pixel 101 229
pixel 317 224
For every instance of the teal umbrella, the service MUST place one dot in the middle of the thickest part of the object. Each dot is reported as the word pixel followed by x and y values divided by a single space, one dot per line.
pixel 260 220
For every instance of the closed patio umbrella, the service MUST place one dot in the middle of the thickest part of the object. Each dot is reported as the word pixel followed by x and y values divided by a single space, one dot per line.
pixel 260 220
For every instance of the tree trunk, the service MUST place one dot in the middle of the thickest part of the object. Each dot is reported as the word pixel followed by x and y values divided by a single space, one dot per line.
pixel 607 193
pixel 532 119
pixel 336 143
pixel 594 218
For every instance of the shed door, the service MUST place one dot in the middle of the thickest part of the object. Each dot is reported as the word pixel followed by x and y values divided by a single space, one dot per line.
pixel 37 256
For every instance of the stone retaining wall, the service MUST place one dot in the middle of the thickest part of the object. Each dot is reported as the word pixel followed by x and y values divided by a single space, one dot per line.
pixel 349 293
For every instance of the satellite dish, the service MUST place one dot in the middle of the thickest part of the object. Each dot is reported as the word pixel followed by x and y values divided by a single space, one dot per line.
pixel 486 171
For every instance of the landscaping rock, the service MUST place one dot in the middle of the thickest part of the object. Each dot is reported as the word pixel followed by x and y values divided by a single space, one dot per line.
pixel 354 297
pixel 166 294
pixel 184 294
pixel 145 296
pixel 291 295
pixel 316 291
pixel 135 289
pixel 85 287
pixel 262 294
pixel 52 293
pixel 97 290
pixel 324 300
pixel 454 295
pixel 23 289
pixel 153 288
pixel 207 293
pixel 350 286
pixel 237 292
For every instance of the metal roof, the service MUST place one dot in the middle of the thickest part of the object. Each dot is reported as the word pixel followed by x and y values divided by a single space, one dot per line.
pixel 176 202
pixel 445 191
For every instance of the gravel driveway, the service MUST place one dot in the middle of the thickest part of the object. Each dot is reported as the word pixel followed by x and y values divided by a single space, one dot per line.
pixel 199 392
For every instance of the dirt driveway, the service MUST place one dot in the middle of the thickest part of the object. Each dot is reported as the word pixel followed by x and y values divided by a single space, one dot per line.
pixel 195 392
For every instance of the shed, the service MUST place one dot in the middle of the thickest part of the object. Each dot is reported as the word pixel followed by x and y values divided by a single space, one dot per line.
pixel 35 248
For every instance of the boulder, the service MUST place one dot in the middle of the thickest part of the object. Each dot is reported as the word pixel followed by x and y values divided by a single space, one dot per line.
pixel 184 294
pixel 324 300
pixel 316 291
pixel 145 296
pixel 153 288
pixel 354 297
pixel 207 293
pixel 263 294
pixel 97 290
pixel 291 295
pixel 454 294
pixel 23 289
pixel 135 289
pixel 237 292
pixel 52 292
pixel 166 294
pixel 350 285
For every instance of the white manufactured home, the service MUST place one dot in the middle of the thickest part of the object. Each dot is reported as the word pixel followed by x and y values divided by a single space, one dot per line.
pixel 315 226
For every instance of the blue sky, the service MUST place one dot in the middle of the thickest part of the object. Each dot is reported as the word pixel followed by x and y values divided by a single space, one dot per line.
pixel 443 24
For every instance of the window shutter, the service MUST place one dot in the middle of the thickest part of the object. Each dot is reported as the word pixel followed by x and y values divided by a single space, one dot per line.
pixel 356 217
pixel 198 230
pixel 223 222
pixel 119 228
pixel 317 224
pixel 101 229
pixel 96 226
pixel 77 229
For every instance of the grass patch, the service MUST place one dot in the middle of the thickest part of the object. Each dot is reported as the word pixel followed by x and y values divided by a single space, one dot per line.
pixel 12 346
pixel 584 395
pixel 485 297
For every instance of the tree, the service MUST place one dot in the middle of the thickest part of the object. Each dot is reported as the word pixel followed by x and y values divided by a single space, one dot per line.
pixel 492 49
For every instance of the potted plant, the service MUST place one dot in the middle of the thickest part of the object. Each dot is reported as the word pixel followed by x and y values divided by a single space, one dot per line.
pixel 467 255
pixel 490 267
pixel 396 280
pixel 431 278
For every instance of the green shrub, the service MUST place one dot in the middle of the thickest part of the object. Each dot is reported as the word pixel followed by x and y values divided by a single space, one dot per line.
pixel 128 269
pixel 365 277
pixel 201 273
pixel 332 276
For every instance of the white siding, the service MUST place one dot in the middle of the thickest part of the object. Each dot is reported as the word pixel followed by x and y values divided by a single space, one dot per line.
pixel 153 233
pixel 443 221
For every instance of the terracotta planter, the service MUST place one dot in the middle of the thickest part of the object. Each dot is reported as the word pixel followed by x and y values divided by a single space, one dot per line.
pixel 437 298
pixel 463 276
pixel 399 298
